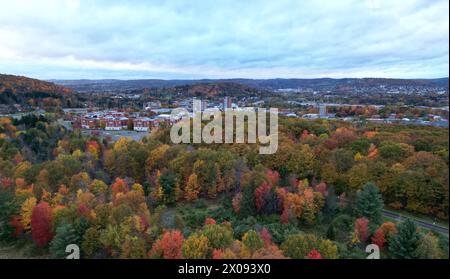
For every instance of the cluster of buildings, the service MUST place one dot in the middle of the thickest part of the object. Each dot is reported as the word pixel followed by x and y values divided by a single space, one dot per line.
pixel 322 113
pixel 204 104
pixel 116 120
pixel 429 120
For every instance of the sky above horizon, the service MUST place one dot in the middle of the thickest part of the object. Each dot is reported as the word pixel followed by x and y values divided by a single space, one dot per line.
pixel 76 39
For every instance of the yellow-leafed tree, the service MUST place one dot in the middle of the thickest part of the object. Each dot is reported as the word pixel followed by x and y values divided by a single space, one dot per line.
pixel 26 211
pixel 192 188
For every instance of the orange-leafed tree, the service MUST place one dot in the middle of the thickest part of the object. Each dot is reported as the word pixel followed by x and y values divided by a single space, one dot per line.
pixel 269 252
pixel 119 186
pixel 169 246
pixel 373 152
pixel 192 188
pixel 93 148
pixel 389 229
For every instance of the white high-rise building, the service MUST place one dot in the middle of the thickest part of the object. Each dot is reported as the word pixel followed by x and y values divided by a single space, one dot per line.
pixel 323 110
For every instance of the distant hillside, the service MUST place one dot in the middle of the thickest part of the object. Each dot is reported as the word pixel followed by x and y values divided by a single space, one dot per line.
pixel 213 89
pixel 27 91
pixel 265 84
pixel 23 85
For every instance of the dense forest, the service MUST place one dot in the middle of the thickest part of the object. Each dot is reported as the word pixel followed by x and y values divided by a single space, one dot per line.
pixel 26 91
pixel 319 196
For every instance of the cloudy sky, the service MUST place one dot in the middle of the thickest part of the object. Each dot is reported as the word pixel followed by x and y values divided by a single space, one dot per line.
pixel 72 39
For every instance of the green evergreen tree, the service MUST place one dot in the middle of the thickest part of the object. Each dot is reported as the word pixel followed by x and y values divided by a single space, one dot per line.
pixel 331 204
pixel 65 235
pixel 369 203
pixel 81 227
pixel 404 244
pixel 331 232
pixel 168 182
pixel 247 204
pixel 8 207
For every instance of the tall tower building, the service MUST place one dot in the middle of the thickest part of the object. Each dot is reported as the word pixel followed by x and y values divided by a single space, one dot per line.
pixel 199 105
pixel 204 105
pixel 322 110
pixel 226 103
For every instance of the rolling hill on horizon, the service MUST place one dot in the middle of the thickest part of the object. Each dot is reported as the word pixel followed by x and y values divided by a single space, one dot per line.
pixel 83 85
pixel 24 90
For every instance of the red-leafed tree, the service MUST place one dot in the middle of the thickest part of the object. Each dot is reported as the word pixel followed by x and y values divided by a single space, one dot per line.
pixel 6 182
pixel 379 238
pixel 41 224
pixel 83 210
pixel 266 237
pixel 322 188
pixel 362 229
pixel 260 193
pixel 16 223
pixel 314 255
pixel 285 216
pixel 217 254
pixel 272 177
pixel 210 221
pixel 293 181
pixel 304 135
pixel 169 246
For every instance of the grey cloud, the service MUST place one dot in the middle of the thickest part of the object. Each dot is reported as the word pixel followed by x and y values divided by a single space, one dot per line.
pixel 205 38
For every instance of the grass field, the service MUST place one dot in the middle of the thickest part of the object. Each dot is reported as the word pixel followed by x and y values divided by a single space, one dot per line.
pixel 18 251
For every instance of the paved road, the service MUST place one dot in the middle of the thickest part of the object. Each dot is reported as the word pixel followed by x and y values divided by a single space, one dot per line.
pixel 420 223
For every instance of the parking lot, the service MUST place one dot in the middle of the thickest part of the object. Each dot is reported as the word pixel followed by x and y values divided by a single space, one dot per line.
pixel 115 135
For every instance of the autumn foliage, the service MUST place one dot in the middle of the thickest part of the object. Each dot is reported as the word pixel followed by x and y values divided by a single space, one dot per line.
pixel 361 229
pixel 210 221
pixel 169 246
pixel 147 198
pixel 119 186
pixel 378 238
pixel 192 188
pixel 41 224
pixel 314 255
